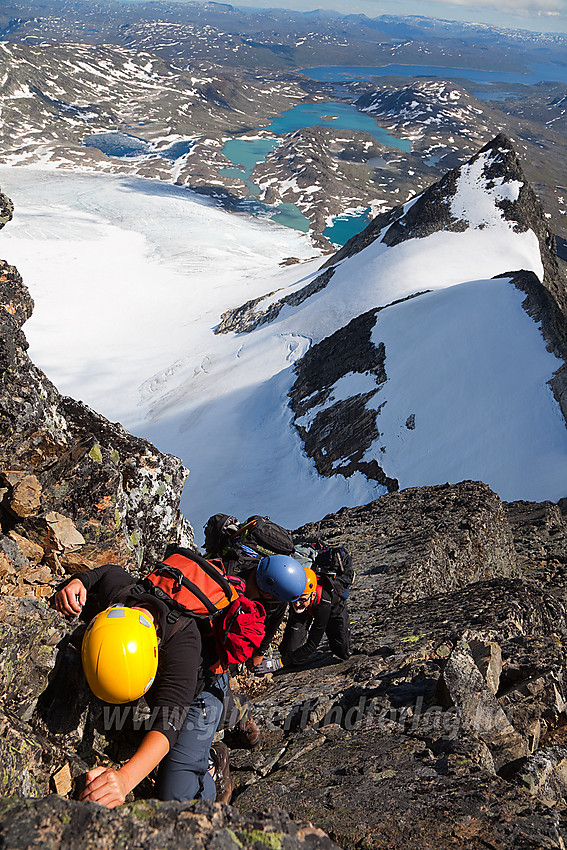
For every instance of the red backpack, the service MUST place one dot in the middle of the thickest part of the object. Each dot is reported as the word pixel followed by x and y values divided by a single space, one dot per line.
pixel 200 588
pixel 240 631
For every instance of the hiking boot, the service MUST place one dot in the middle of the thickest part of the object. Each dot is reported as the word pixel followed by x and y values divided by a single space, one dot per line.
pixel 223 782
pixel 245 734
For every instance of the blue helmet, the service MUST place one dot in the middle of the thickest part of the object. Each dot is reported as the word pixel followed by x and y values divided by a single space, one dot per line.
pixel 282 577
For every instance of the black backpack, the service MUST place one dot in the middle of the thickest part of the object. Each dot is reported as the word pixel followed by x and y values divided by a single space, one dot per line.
pixel 219 529
pixel 242 545
pixel 265 536
pixel 332 565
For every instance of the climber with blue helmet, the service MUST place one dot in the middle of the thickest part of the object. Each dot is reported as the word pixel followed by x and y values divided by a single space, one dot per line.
pixel 276 581
pixel 280 577
pixel 259 551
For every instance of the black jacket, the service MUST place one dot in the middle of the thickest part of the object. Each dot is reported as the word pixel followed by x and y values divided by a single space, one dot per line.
pixel 179 676
pixel 315 619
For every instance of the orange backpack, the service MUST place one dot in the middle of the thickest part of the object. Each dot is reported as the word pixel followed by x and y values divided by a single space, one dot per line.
pixel 200 588
pixel 193 584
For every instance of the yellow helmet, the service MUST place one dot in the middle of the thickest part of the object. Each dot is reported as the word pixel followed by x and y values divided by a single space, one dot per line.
pixel 311 584
pixel 119 654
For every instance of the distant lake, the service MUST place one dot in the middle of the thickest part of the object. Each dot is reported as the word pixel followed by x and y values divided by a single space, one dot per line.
pixel 119 144
pixel 537 73
pixel 339 116
pixel 245 154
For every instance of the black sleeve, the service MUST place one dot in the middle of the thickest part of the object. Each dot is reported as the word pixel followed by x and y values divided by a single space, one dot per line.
pixel 179 655
pixel 174 689
pixel 104 580
pixel 321 614
pixel 274 617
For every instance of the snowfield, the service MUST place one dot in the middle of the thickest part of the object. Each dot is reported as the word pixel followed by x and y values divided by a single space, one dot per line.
pixel 130 277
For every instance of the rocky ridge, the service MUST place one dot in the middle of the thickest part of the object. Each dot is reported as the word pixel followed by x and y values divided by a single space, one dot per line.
pixel 445 729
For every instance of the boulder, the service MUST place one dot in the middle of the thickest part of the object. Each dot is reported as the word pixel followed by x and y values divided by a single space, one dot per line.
pixel 57 824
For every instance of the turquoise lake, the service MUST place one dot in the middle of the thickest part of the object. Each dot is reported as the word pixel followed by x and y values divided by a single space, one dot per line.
pixel 247 153
pixel 342 116
pixel 537 73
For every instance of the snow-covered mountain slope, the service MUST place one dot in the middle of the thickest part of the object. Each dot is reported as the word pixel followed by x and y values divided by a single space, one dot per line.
pixel 440 386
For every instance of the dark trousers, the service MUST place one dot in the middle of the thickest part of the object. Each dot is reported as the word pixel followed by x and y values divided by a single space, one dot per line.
pixel 183 773
pixel 337 631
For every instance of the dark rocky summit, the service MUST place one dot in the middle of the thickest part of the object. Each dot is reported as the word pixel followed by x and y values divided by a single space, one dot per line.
pixel 445 729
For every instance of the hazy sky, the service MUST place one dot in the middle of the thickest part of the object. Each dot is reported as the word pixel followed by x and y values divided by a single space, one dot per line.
pixel 540 15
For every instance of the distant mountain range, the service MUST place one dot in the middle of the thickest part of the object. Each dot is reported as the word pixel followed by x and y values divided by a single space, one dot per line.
pixel 61 104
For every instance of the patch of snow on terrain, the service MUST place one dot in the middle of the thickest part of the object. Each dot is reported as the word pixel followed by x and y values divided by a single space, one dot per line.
pixel 470 365
pixel 355 383
pixel 475 201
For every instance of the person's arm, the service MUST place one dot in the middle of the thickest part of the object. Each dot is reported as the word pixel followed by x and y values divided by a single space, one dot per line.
pixel 274 617
pixel 109 787
pixel 71 597
pixel 321 615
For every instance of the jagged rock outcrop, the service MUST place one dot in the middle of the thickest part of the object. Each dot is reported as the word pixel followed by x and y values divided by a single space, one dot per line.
pixel 121 494
pixel 445 728
pixel 68 825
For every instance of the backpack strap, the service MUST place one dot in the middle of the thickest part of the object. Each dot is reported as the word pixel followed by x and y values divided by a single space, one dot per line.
pixel 171 568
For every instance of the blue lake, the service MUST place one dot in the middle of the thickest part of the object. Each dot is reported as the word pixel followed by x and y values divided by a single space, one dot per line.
pixel 537 73
pixel 119 144
pixel 247 153
pixel 339 116
pixel 345 226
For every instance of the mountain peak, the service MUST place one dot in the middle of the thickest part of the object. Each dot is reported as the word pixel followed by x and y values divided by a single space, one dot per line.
pixel 489 188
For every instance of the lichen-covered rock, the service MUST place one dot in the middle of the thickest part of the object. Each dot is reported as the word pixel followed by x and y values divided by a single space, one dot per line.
pixel 545 775
pixel 478 708
pixel 29 633
pixel 56 824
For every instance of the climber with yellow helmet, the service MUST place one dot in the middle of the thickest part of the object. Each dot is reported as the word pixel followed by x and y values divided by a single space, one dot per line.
pixel 133 646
